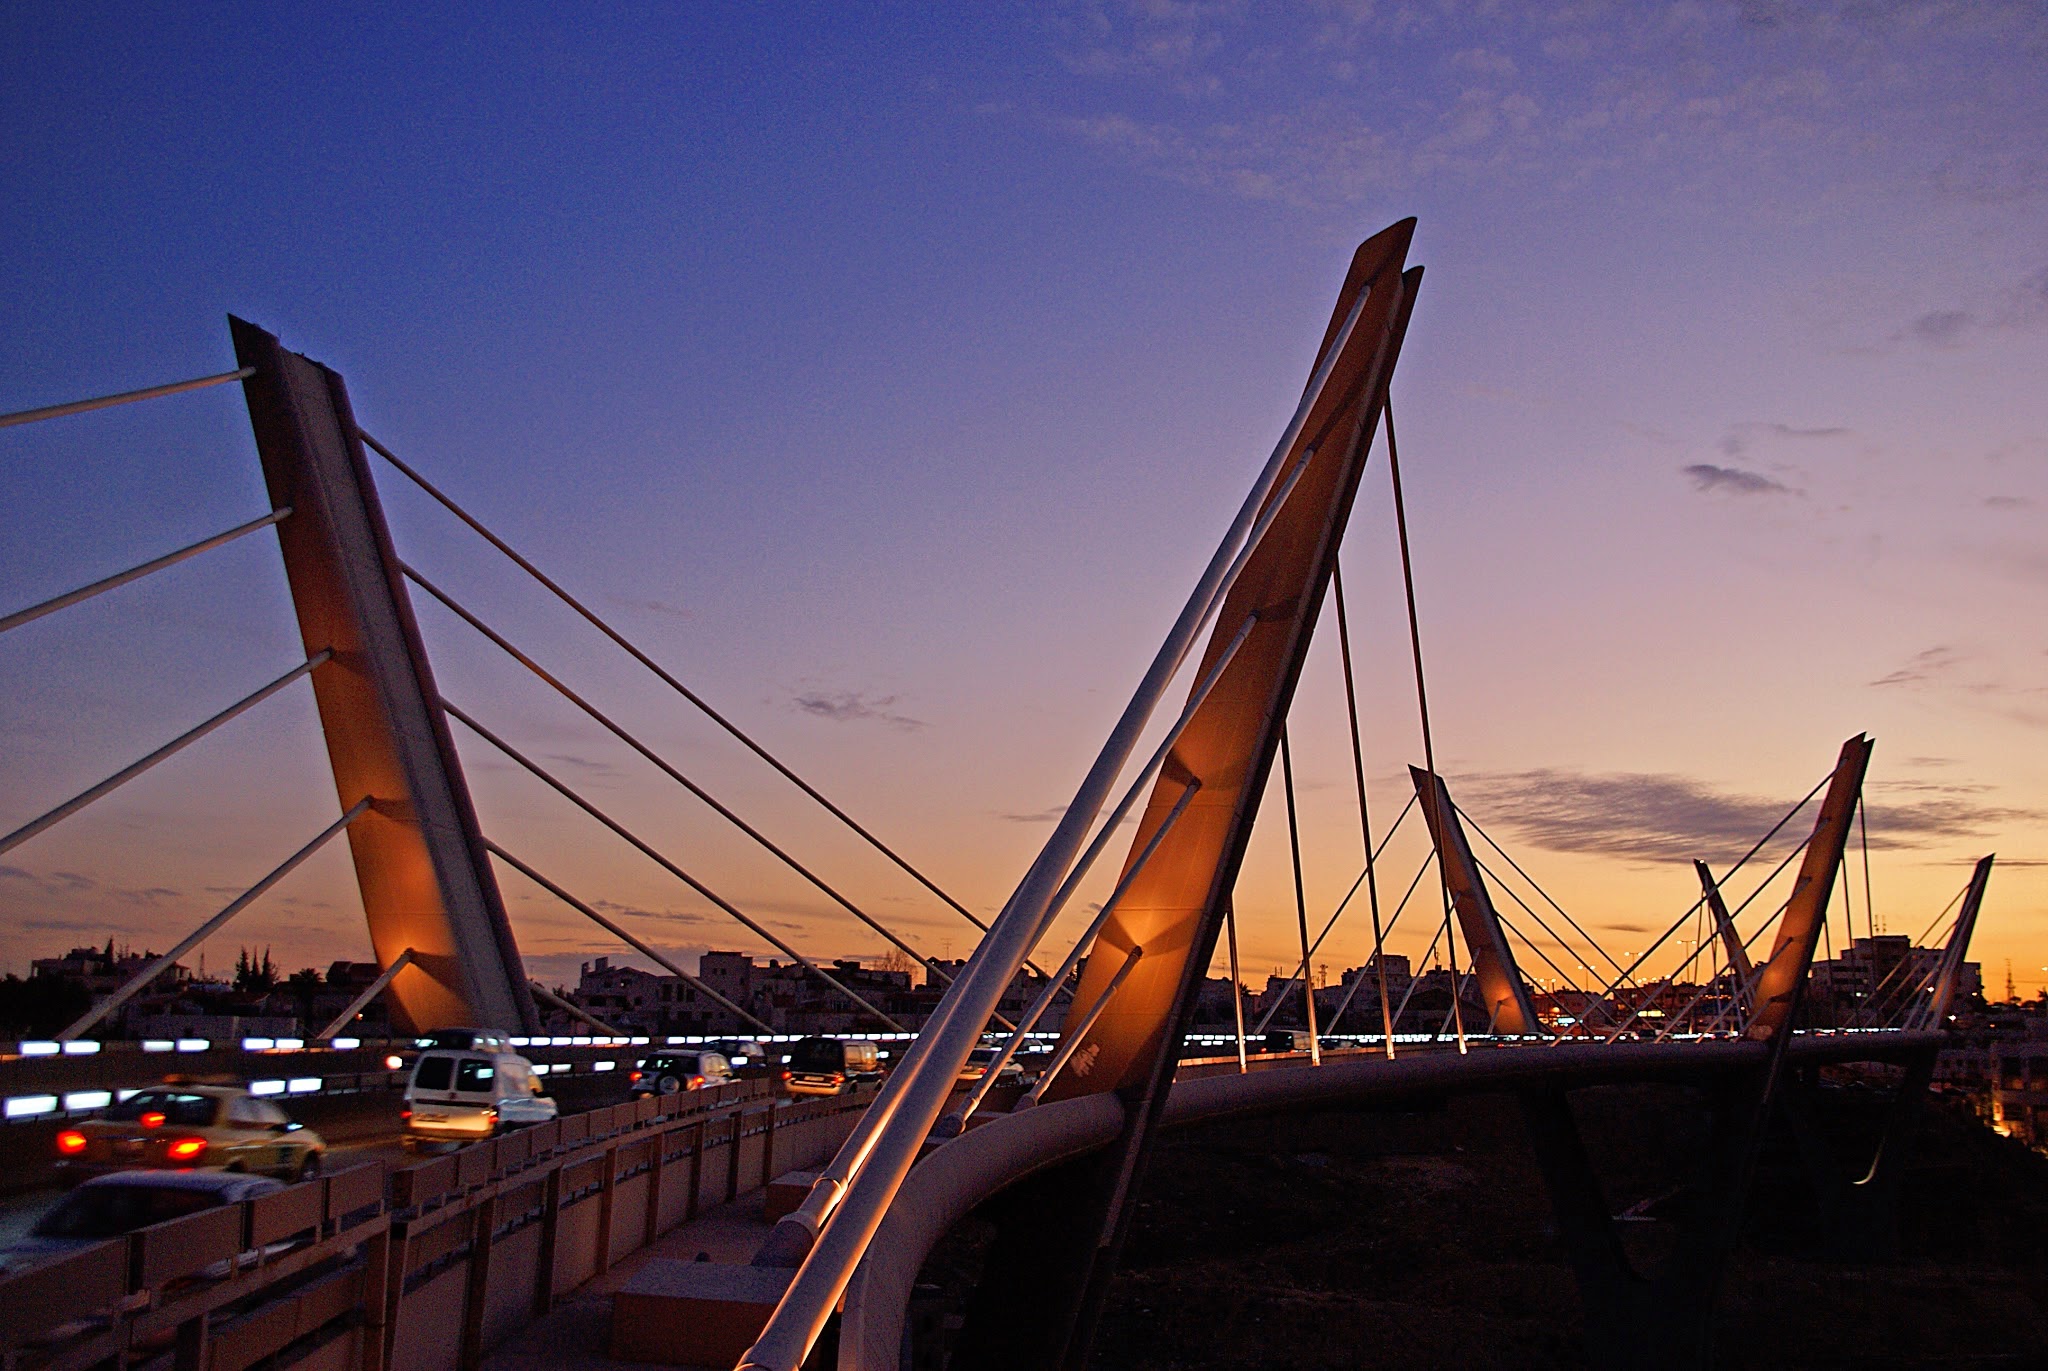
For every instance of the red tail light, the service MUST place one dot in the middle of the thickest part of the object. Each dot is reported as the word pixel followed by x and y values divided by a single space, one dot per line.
pixel 839 1078
pixel 404 1114
pixel 186 1149
pixel 634 1075
pixel 153 1119
pixel 70 1142
pixel 786 1075
pixel 696 1082
pixel 491 1113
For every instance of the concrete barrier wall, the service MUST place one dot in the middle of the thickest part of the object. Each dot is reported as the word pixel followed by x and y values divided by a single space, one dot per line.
pixel 428 1273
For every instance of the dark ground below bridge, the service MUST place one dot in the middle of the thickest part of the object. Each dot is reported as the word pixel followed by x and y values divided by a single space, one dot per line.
pixel 1405 1240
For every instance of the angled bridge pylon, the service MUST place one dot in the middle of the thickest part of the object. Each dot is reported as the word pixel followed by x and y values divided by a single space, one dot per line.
pixel 426 881
pixel 1501 987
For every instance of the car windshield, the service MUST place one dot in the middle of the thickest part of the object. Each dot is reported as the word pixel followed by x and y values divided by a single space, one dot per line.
pixel 982 1056
pixel 686 1065
pixel 106 1211
pixel 180 1109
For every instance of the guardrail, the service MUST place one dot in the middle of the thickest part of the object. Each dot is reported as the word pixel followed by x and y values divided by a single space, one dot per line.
pixel 346 1274
pixel 47 1081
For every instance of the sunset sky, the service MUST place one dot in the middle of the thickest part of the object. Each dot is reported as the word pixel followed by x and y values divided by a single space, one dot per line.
pixel 890 375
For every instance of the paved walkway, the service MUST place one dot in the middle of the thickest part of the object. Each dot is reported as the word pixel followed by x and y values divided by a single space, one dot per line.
pixel 574 1335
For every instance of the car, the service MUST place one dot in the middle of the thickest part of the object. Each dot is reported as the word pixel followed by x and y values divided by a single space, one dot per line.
pixel 830 1066
pixel 457 1097
pixel 744 1055
pixel 121 1202
pixel 467 1039
pixel 669 1073
pixel 981 1058
pixel 190 1127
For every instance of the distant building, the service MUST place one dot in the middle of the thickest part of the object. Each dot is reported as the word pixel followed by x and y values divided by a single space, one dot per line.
pixel 1877 979
pixel 2019 1091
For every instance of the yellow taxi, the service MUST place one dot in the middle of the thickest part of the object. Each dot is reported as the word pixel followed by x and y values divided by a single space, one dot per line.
pixel 188 1127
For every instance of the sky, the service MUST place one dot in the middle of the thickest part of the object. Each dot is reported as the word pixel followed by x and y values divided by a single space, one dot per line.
pixel 890 373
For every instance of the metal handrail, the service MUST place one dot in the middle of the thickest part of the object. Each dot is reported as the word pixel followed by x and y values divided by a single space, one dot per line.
pixel 957 1120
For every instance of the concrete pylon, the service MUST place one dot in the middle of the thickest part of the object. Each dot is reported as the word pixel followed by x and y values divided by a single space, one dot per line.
pixel 1504 992
pixel 426 880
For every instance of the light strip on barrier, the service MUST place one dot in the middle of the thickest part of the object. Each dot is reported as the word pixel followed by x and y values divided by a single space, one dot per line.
pixel 193 1045
pixel 28 1106
pixel 88 1099
pixel 158 1045
pixel 40 1049
pixel 266 1087
pixel 302 1085
pixel 83 1047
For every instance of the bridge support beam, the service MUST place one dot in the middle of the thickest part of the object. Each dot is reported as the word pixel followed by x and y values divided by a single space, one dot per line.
pixel 426 881
pixel 1501 987
pixel 1174 906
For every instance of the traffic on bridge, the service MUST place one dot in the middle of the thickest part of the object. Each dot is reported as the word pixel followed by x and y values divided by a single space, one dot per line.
pixel 766 1199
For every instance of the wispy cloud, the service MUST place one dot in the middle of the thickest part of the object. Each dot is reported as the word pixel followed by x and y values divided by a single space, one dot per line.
pixel 1660 818
pixel 1717 480
pixel 2007 502
pixel 1937 661
pixel 590 766
pixel 1051 815
pixel 661 607
pixel 2019 306
pixel 1336 103
pixel 1972 681
pixel 854 706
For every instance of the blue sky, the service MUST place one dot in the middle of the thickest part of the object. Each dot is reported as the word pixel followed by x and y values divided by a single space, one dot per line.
pixel 890 372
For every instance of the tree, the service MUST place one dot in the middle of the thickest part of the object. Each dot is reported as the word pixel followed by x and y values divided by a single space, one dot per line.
pixel 253 976
pixel 40 1005
pixel 304 984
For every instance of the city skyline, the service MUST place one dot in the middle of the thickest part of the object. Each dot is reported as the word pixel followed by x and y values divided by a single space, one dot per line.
pixel 889 379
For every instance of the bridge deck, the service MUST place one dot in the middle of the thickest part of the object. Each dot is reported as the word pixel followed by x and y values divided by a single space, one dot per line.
pixel 574 1336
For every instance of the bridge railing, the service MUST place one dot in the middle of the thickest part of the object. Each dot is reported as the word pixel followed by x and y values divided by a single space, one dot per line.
pixel 423 1270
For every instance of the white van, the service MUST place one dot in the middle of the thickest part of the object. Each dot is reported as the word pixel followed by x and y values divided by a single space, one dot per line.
pixel 466 1096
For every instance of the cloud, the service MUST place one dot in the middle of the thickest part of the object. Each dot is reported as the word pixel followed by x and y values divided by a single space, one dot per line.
pixel 1962 678
pixel 586 764
pixel 55 885
pixel 1347 102
pixel 854 706
pixel 1741 437
pixel 1710 479
pixel 674 916
pixel 1939 660
pixel 656 607
pixel 1042 816
pixel 1666 818
pixel 2017 307
pixel 2012 502
pixel 1053 815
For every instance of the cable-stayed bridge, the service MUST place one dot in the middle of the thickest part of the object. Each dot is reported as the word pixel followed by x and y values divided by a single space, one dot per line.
pixel 1527 1002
